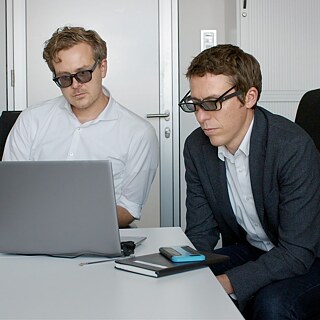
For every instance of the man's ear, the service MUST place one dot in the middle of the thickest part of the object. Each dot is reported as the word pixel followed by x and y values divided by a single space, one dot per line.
pixel 251 97
pixel 104 68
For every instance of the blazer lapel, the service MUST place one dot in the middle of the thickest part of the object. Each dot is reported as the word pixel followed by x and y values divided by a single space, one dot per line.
pixel 257 160
pixel 217 177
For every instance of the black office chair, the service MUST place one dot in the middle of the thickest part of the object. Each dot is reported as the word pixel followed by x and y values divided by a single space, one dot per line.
pixel 7 120
pixel 308 115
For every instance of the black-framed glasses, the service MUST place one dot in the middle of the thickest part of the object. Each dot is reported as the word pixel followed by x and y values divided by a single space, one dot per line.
pixel 189 104
pixel 81 76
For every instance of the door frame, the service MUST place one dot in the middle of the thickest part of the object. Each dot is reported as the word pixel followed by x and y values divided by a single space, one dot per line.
pixel 169 95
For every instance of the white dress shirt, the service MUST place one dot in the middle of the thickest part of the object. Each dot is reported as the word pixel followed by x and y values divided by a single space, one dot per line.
pixel 51 131
pixel 240 192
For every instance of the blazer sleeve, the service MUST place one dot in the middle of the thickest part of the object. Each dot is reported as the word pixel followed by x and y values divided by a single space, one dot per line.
pixel 292 212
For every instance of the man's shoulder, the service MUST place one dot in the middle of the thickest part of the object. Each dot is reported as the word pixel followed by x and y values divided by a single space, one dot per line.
pixel 44 107
pixel 278 126
pixel 280 133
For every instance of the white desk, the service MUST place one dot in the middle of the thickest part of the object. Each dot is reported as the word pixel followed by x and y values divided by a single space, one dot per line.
pixel 54 288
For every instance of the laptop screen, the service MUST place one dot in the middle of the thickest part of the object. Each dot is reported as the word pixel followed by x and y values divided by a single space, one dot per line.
pixel 63 208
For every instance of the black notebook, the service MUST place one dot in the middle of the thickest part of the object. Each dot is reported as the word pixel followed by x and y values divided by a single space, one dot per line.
pixel 156 265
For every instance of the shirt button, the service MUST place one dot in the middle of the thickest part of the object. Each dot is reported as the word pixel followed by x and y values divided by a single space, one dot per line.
pixel 71 154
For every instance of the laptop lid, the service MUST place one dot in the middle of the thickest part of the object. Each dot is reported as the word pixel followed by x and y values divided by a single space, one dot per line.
pixel 65 208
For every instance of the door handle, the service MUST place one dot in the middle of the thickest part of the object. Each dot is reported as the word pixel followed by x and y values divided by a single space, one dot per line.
pixel 165 115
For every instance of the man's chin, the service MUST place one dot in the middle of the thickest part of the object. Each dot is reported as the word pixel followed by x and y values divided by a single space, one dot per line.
pixel 79 106
pixel 215 142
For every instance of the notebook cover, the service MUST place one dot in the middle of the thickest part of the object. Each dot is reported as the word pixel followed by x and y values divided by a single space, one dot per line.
pixel 156 265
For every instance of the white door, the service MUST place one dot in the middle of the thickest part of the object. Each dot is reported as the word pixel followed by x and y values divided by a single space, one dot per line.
pixel 139 40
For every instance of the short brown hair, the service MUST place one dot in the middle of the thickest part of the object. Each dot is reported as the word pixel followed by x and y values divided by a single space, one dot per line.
pixel 67 37
pixel 242 68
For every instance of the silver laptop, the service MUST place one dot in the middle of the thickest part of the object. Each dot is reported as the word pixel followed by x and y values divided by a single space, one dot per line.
pixel 60 208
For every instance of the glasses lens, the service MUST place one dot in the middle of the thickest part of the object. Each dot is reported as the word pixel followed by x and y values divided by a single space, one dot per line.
pixel 209 105
pixel 83 76
pixel 188 106
pixel 64 81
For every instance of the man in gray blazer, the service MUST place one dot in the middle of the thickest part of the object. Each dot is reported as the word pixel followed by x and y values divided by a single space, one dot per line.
pixel 253 178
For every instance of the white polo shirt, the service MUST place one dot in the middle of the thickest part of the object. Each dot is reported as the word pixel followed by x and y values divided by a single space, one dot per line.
pixel 51 131
pixel 240 192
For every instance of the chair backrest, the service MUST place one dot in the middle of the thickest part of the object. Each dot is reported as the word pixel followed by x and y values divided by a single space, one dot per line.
pixel 308 115
pixel 7 120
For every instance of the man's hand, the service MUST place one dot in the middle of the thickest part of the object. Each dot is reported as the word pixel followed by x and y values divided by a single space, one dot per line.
pixel 225 282
pixel 124 217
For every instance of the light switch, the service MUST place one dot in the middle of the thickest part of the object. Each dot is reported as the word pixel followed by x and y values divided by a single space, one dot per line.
pixel 208 39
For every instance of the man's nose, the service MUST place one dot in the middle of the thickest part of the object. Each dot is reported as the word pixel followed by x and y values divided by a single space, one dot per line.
pixel 75 83
pixel 202 115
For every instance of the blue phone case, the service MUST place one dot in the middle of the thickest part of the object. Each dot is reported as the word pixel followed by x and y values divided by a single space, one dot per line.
pixel 181 254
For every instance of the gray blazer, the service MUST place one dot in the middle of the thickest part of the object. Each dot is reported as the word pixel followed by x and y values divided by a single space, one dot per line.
pixel 285 178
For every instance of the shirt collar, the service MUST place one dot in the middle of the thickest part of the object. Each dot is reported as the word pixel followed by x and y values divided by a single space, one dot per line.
pixel 109 112
pixel 244 147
